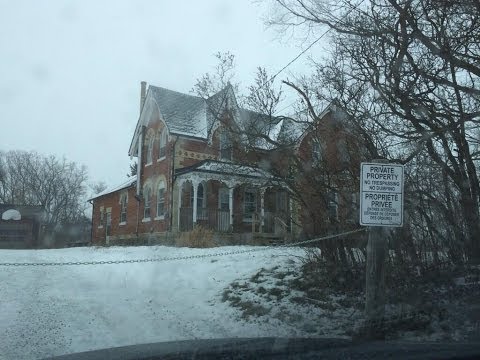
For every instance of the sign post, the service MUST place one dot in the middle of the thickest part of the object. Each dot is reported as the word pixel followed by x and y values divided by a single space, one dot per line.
pixel 381 206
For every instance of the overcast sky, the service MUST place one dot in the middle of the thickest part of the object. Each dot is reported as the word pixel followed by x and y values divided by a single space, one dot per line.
pixel 70 71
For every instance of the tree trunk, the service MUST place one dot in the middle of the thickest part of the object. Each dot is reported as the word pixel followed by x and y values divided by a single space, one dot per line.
pixel 472 221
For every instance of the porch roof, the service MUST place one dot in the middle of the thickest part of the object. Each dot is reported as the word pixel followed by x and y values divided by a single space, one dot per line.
pixel 228 173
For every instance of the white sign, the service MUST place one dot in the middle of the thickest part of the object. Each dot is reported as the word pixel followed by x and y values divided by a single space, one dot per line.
pixel 381 194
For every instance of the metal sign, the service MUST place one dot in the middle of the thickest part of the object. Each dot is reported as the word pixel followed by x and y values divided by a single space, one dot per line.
pixel 381 194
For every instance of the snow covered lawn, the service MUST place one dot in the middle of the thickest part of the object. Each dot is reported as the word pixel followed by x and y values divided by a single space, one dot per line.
pixel 277 295
pixel 53 310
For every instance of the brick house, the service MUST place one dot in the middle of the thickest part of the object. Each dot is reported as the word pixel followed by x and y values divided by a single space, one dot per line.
pixel 194 168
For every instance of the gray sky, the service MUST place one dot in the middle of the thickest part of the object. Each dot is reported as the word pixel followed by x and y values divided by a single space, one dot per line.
pixel 70 71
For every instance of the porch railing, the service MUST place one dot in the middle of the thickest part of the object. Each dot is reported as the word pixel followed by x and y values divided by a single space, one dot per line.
pixel 214 219
pixel 219 220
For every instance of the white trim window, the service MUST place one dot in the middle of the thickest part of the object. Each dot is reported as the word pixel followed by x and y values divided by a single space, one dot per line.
pixel 162 144
pixel 161 201
pixel 150 151
pixel 249 204
pixel 147 196
pixel 225 146
pixel 123 209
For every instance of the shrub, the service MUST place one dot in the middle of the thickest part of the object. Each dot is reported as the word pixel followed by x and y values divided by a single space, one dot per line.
pixel 199 237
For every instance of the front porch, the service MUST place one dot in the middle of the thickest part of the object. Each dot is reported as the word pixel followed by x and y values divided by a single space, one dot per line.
pixel 219 221
pixel 230 198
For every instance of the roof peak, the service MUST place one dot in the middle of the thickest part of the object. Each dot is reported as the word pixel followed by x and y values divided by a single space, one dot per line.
pixel 174 91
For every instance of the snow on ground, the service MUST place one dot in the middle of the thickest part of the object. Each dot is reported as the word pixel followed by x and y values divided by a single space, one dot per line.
pixel 54 310
pixel 275 296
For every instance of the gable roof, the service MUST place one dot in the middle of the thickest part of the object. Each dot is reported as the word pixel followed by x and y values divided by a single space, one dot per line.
pixel 294 128
pixel 131 180
pixel 183 114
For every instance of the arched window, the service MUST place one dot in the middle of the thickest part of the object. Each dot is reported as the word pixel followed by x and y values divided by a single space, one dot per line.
pixel 162 143
pixel 150 150
pixel 161 200
pixel 147 195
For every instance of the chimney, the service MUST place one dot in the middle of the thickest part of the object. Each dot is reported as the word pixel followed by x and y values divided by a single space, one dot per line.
pixel 143 92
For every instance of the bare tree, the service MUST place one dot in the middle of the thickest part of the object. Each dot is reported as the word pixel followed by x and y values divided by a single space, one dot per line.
pixel 415 66
pixel 59 186
pixel 212 83
pixel 98 187
pixel 280 144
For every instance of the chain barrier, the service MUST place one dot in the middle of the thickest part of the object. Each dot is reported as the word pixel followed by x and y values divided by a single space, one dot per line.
pixel 188 257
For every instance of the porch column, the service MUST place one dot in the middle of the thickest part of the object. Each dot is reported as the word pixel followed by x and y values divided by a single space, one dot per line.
pixel 230 204
pixel 262 208
pixel 195 191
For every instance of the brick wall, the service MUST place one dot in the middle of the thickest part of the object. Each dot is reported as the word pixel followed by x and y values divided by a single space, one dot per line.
pixel 111 203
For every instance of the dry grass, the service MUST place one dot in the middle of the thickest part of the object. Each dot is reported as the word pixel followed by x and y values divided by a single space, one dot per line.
pixel 199 237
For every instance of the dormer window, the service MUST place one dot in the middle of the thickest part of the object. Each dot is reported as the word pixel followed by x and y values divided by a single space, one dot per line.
pixel 225 146
pixel 162 143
